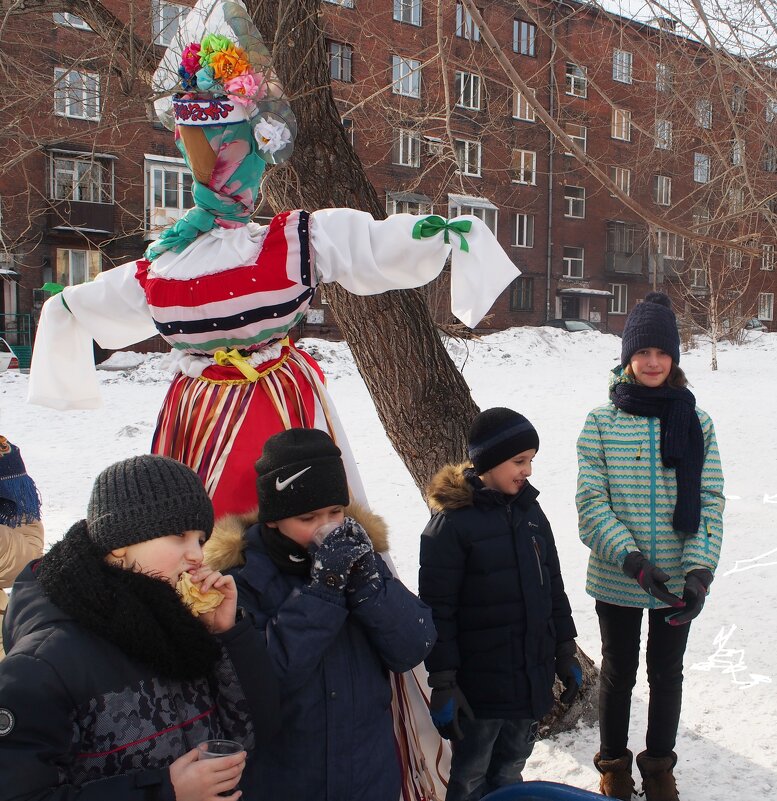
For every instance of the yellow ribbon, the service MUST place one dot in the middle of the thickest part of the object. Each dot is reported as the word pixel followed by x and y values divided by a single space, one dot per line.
pixel 236 359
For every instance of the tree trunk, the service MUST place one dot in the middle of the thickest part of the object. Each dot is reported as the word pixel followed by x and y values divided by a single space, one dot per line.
pixel 423 402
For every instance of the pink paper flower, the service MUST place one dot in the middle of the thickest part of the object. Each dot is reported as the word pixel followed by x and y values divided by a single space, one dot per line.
pixel 190 59
pixel 246 88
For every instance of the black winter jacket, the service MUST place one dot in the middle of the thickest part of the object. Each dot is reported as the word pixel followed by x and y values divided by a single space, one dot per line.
pixel 80 721
pixel 491 574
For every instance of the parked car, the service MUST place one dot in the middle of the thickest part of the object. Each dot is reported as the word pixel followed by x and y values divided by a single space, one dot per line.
pixel 572 325
pixel 754 324
pixel 7 356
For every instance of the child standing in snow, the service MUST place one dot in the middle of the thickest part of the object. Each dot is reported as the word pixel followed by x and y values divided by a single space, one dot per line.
pixel 110 682
pixel 650 504
pixel 491 573
pixel 335 619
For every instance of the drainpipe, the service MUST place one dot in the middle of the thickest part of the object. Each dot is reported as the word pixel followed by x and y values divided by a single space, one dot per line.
pixel 551 147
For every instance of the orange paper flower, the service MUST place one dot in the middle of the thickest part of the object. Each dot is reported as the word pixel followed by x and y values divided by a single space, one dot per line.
pixel 229 63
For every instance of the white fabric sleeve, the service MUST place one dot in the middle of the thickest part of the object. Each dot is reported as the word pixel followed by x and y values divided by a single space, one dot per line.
pixel 112 310
pixel 368 256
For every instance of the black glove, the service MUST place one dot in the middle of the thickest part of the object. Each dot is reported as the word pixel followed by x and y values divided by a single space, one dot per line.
pixel 447 703
pixel 650 578
pixel 568 669
pixel 332 560
pixel 697 584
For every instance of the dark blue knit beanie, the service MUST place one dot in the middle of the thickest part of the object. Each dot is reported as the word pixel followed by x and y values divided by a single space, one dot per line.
pixel 651 324
pixel 497 435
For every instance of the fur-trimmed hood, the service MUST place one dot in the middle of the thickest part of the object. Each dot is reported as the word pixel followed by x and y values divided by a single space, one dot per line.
pixel 224 549
pixel 450 489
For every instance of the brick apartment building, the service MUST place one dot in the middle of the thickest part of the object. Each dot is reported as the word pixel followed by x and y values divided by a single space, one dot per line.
pixel 90 177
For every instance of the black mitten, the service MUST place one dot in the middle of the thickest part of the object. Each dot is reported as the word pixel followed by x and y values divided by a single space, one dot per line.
pixel 569 670
pixel 447 703
pixel 650 578
pixel 333 558
pixel 697 584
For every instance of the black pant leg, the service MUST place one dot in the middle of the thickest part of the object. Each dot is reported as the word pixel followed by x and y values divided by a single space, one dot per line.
pixel 665 652
pixel 620 628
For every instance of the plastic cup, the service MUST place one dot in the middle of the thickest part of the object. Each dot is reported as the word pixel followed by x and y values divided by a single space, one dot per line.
pixel 323 532
pixel 215 749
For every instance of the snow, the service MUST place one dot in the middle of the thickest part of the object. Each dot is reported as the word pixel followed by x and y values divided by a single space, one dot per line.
pixel 728 732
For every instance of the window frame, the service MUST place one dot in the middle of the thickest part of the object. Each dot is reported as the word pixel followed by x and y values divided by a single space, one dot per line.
pixel 340 62
pixel 664 76
pixel 580 141
pixel 415 12
pixel 403 142
pixel 703 113
pixel 615 173
pixel 766 306
pixel 68 20
pixel 521 171
pixel 663 134
pixel 523 229
pixel 103 187
pixel 519 99
pixel 474 80
pixel 524 45
pixel 624 116
pixel 662 194
pixel 572 79
pixel 702 168
pixel 568 260
pixel 91 255
pixel 62 93
pixel 466 28
pixel 411 75
pixel 667 245
pixel 161 32
pixel 462 149
pixel 457 208
pixel 619 302
pixel 522 294
pixel 574 202
pixel 622 66
pixel 768 257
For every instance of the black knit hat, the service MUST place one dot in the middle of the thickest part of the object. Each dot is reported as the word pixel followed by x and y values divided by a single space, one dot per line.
pixel 300 470
pixel 497 435
pixel 651 324
pixel 145 497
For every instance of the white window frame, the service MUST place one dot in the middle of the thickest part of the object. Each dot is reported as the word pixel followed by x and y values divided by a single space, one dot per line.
pixel 573 262
pixel 90 271
pixel 766 305
pixel 578 134
pixel 406 150
pixel 523 233
pixel 737 153
pixel 663 193
pixel 663 134
pixel 738 102
pixel 768 257
pixel 69 20
pixel 165 20
pixel 735 197
pixel 620 125
pixel 408 11
pixel 770 109
pixel 343 3
pixel 621 177
pixel 396 205
pixel 704 113
pixel 406 76
pixel 574 200
pixel 478 207
pixel 734 258
pixel 521 108
pixel 81 176
pixel 465 149
pixel 469 90
pixel 524 38
pixel 698 278
pixel 670 245
pixel 465 25
pixel 663 77
pixel 524 165
pixel 619 302
pixel 340 61
pixel 622 62
pixel 158 172
pixel 770 158
pixel 66 100
pixel 576 80
pixel 702 166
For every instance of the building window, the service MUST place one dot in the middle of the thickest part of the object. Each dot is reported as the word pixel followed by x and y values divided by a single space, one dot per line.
pixel 168 191
pixel 670 245
pixel 524 231
pixel 465 25
pixel 770 158
pixel 521 108
pixel 340 59
pixel 524 167
pixel 524 37
pixel 737 153
pixel 621 238
pixel 770 109
pixel 70 21
pixel 621 66
pixel 408 11
pixel 663 134
pixel 766 305
pixel 738 99
pixel 81 179
pixel 522 294
pixel 405 203
pixel 574 200
pixel 165 19
pixel 573 262
pixel 407 148
pixel 77 266
pixel 578 134
pixel 767 257
pixel 621 125
pixel 663 77
pixel 468 90
pixel 477 207
pixel 733 258
pixel 701 168
pixel 735 198
pixel 698 278
pixel 467 156
pixel 663 190
pixel 77 94
pixel 576 80
pixel 700 218
pixel 343 3
pixel 704 113
pixel 621 177
pixel 406 75
pixel 619 301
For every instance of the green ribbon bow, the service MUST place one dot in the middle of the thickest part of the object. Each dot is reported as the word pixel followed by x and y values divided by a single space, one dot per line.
pixel 433 225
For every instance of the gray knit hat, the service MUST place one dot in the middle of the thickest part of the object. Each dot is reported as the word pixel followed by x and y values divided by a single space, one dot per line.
pixel 651 324
pixel 145 497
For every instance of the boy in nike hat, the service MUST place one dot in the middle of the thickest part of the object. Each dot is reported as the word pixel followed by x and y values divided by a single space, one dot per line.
pixel 336 621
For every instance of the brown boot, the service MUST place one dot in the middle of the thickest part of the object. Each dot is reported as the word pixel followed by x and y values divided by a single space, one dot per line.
pixel 616 781
pixel 657 777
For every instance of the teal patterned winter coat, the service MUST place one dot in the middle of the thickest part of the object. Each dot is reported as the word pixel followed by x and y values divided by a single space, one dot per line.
pixel 625 500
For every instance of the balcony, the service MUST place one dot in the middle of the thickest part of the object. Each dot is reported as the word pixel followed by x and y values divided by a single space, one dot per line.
pixel 74 215
pixel 617 263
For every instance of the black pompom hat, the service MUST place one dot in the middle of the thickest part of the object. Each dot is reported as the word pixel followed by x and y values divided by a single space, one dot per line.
pixel 651 324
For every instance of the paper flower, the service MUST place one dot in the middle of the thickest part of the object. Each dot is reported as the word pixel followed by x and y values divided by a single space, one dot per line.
pixel 190 59
pixel 213 43
pixel 228 64
pixel 246 89
pixel 271 135
pixel 205 79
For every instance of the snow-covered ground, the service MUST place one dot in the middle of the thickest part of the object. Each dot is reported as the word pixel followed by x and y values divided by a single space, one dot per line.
pixel 727 743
